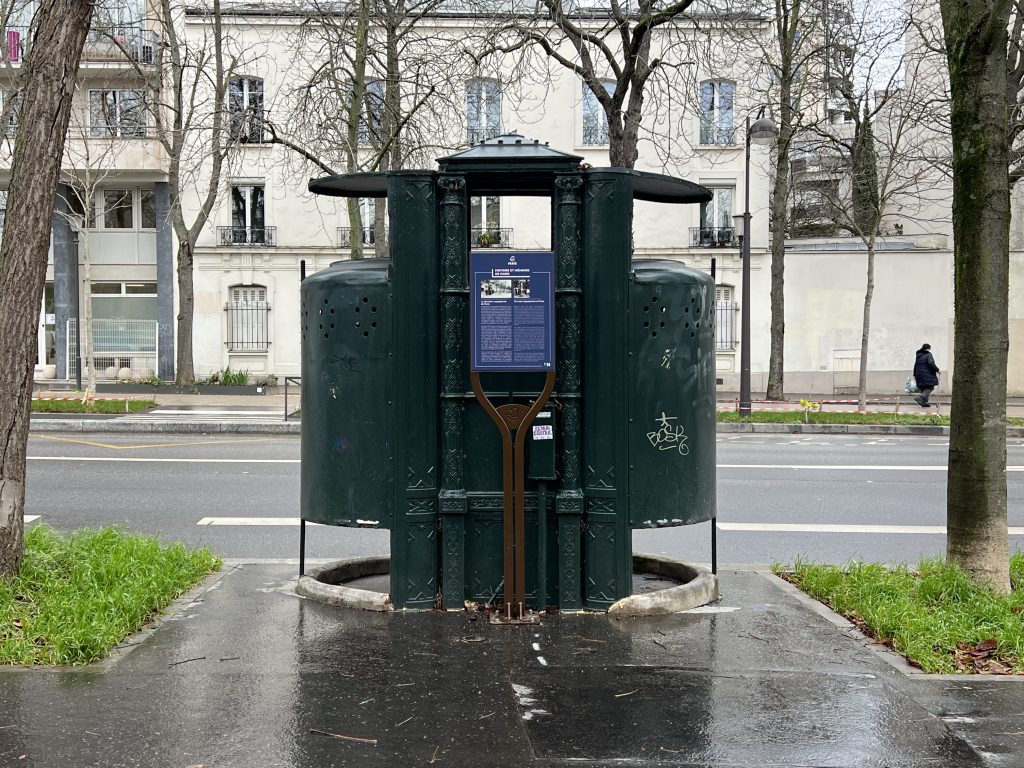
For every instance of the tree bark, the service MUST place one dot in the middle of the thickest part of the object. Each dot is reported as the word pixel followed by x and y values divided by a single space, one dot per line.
pixel 976 38
pixel 48 82
pixel 865 333
pixel 780 218
pixel 185 373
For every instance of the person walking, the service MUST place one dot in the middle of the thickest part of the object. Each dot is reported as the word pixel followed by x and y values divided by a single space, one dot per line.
pixel 926 374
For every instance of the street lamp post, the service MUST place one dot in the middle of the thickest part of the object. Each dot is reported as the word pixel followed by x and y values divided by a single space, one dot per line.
pixel 762 131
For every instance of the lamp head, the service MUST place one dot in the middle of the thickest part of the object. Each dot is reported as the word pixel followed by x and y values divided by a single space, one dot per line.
pixel 763 131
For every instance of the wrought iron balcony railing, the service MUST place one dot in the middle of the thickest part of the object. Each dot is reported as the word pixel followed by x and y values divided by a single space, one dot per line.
pixel 476 135
pixel 110 41
pixel 490 237
pixel 713 135
pixel 713 237
pixel 246 126
pixel 345 236
pixel 264 237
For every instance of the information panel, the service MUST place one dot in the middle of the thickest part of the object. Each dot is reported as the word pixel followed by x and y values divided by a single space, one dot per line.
pixel 512 310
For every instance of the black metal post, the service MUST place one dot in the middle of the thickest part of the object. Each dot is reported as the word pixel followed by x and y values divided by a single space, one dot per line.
pixel 745 307
pixel 542 544
pixel 302 547
pixel 714 545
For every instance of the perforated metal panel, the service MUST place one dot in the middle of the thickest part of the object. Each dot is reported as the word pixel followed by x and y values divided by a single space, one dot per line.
pixel 672 395
pixel 347 383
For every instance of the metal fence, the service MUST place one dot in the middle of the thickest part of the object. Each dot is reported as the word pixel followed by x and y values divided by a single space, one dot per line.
pixel 725 324
pixel 248 326
pixel 109 41
pixel 345 236
pixel 713 237
pixel 261 236
pixel 485 237
pixel 117 344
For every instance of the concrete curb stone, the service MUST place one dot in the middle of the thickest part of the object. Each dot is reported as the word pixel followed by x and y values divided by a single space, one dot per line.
pixel 156 427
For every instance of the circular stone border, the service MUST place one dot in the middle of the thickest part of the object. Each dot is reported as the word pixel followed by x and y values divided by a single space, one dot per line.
pixel 325 583
pixel 697 586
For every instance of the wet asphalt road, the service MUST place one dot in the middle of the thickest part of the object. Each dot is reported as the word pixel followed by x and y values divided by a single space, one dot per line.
pixel 167 484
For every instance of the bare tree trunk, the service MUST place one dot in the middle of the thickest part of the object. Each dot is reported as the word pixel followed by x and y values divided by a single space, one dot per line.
pixel 780 216
pixel 355 119
pixel 48 83
pixel 976 38
pixel 87 336
pixel 865 333
pixel 185 373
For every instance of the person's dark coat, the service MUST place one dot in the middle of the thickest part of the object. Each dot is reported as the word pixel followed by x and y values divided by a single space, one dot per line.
pixel 925 370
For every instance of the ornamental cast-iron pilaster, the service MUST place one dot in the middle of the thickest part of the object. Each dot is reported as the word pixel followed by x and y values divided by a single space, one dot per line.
pixel 569 498
pixel 454 312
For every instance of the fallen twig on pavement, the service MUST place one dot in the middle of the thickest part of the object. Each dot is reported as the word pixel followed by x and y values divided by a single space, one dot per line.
pixel 342 736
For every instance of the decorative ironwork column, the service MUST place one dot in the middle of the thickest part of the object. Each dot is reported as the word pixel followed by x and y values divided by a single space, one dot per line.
pixel 569 499
pixel 454 360
pixel 414 557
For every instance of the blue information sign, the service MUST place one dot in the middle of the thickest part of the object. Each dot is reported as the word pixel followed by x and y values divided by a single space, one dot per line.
pixel 512 300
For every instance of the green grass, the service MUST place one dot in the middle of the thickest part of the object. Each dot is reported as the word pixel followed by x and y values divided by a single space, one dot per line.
pixel 935 615
pixel 843 417
pixel 93 406
pixel 78 595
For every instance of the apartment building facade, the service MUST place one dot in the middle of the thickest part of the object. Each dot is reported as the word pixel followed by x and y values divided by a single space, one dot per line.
pixel 265 223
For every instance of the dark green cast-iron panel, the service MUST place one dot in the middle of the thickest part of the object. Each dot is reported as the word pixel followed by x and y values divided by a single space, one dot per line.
pixel 672 395
pixel 347 445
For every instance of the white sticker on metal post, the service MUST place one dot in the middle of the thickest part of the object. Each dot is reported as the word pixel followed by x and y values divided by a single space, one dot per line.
pixel 543 432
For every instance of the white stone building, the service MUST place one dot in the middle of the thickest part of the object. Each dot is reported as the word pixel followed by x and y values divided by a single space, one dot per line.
pixel 265 223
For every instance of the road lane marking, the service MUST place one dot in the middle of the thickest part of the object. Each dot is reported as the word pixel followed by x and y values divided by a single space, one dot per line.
pixel 855 467
pixel 115 447
pixel 251 521
pixel 142 459
pixel 836 528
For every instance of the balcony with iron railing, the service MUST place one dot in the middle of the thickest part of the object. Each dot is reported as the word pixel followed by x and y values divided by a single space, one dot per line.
pixel 105 42
pixel 717 133
pixel 476 135
pixel 246 126
pixel 262 237
pixel 490 237
pixel 713 237
pixel 345 236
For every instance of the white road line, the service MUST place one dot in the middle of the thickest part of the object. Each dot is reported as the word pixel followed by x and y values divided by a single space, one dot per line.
pixel 855 467
pixel 164 460
pixel 831 528
pixel 31 518
pixel 251 521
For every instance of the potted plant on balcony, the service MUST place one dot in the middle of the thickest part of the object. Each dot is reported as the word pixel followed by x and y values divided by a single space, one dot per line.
pixel 486 239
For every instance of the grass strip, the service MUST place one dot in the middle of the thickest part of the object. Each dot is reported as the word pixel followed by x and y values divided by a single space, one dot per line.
pixel 78 595
pixel 935 615
pixel 835 417
pixel 91 406
pixel 843 417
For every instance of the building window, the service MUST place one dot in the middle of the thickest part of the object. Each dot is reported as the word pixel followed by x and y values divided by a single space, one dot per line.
pixel 725 316
pixel 716 224
pixel 12 99
pixel 371 115
pixel 245 106
pixel 248 223
pixel 483 110
pixel 485 228
pixel 147 209
pixel 247 317
pixel 117 209
pixel 117 113
pixel 595 119
pixel 717 120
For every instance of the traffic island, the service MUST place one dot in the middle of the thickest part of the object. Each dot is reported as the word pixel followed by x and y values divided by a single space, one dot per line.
pixel 661 586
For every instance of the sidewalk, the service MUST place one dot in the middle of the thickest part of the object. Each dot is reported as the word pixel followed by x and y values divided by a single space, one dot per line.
pixel 265 414
pixel 248 675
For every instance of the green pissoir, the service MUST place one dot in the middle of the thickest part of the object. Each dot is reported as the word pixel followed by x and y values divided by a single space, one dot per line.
pixel 393 437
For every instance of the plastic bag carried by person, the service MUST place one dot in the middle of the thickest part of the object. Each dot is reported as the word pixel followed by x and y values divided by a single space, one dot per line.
pixel 912 385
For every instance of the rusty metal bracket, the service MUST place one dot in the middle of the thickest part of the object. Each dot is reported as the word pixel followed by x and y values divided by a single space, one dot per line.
pixel 513 421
